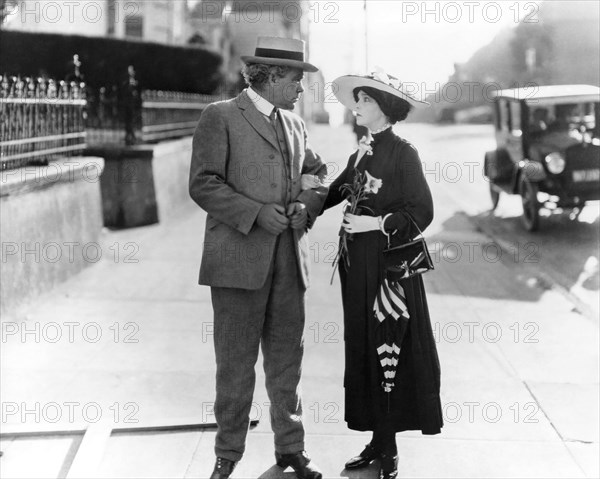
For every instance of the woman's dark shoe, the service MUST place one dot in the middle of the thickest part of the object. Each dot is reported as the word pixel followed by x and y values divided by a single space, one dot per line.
pixel 223 468
pixel 300 463
pixel 389 466
pixel 365 458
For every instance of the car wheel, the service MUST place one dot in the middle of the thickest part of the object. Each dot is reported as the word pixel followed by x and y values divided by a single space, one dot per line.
pixel 531 206
pixel 495 195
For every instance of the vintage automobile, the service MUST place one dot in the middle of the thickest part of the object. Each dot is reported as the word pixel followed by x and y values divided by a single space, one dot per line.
pixel 547 149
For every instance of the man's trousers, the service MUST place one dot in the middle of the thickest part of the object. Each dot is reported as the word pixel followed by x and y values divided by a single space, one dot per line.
pixel 272 317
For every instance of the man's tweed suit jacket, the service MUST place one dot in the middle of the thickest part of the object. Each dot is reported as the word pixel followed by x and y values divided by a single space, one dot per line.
pixel 237 168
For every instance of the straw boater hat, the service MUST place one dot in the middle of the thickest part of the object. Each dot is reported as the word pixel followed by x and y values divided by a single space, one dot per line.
pixel 280 51
pixel 344 86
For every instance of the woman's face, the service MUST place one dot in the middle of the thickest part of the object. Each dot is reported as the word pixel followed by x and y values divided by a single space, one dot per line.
pixel 368 113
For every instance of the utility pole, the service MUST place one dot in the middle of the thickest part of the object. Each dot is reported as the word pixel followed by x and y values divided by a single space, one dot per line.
pixel 366 37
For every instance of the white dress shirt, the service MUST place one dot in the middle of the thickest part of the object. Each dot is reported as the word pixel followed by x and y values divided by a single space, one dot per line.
pixel 261 104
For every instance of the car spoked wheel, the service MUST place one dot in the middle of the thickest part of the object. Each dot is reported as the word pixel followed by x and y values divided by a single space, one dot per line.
pixel 494 195
pixel 531 206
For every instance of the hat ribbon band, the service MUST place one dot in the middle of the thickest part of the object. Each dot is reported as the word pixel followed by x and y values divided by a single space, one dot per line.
pixel 282 54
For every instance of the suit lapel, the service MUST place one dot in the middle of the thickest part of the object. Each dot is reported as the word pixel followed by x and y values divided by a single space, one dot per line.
pixel 256 119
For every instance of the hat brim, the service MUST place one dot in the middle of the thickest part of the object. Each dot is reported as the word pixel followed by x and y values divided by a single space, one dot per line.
pixel 344 86
pixel 307 67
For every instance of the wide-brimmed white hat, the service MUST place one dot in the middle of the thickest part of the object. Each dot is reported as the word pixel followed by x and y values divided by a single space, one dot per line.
pixel 280 51
pixel 344 86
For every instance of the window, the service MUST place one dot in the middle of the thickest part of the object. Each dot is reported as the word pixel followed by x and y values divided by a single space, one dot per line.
pixel 515 118
pixel 504 115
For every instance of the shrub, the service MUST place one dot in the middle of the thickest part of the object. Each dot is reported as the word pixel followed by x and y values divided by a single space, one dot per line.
pixel 105 61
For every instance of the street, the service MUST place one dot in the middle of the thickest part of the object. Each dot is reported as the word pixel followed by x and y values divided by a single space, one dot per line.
pixel 512 313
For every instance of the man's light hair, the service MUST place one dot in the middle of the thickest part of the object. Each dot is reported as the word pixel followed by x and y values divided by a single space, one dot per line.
pixel 257 74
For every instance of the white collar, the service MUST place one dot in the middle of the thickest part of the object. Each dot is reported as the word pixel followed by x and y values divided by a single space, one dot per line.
pixel 263 105
pixel 383 128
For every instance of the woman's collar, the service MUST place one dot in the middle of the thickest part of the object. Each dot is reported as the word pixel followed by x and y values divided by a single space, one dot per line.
pixel 382 129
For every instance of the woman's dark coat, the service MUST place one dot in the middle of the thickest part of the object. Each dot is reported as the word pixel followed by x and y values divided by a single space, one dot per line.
pixel 414 403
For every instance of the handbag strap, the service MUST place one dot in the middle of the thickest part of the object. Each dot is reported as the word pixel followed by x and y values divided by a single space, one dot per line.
pixel 411 219
pixel 406 213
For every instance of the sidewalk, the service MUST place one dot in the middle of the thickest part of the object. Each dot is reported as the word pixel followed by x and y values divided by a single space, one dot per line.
pixel 519 367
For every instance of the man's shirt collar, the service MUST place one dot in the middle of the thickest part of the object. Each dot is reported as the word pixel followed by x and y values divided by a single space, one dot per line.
pixel 261 104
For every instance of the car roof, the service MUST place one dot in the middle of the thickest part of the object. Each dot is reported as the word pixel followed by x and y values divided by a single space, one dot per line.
pixel 552 93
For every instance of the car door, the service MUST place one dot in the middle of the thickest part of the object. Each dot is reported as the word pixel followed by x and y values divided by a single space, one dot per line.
pixel 514 134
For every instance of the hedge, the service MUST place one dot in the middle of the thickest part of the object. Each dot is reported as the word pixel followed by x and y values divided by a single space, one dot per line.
pixel 105 61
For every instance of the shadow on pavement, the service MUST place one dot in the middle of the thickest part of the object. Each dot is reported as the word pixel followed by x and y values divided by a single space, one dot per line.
pixel 275 472
pixel 369 472
pixel 469 263
pixel 566 249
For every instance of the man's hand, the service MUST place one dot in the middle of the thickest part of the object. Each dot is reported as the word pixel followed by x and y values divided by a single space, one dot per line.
pixel 296 212
pixel 359 224
pixel 272 218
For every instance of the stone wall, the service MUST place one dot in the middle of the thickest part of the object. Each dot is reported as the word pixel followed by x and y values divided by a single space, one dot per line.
pixel 144 184
pixel 51 223
pixel 171 166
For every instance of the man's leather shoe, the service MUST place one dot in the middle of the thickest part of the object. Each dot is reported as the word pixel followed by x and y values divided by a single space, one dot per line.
pixel 300 463
pixel 223 468
pixel 365 458
pixel 389 466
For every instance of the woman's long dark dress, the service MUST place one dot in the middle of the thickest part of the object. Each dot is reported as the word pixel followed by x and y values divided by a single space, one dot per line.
pixel 414 403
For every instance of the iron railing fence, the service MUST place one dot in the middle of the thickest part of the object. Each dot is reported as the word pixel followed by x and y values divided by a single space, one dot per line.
pixel 40 119
pixel 172 114
pixel 115 116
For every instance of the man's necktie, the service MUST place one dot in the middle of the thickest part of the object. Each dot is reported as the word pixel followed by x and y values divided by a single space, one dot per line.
pixel 273 118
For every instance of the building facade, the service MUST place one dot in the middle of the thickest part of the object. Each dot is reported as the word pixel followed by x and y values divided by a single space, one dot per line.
pixel 229 27
pixel 232 26
pixel 161 21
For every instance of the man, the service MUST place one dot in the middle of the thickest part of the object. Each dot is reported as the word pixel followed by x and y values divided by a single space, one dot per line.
pixel 539 123
pixel 249 155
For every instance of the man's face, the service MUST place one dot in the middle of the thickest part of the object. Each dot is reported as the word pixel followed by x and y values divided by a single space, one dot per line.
pixel 287 90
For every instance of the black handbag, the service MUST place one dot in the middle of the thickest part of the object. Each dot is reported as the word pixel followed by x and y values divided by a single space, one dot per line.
pixel 409 259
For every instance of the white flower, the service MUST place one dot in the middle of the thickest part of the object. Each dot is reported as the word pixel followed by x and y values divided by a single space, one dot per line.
pixel 372 184
pixel 395 83
pixel 364 145
pixel 382 76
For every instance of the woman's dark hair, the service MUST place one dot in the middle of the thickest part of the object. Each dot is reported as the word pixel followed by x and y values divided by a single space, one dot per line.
pixel 396 109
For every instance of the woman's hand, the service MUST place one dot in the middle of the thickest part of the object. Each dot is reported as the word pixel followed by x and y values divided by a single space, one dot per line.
pixel 310 181
pixel 360 224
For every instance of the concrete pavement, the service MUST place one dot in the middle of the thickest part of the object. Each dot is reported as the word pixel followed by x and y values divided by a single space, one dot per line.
pixel 130 340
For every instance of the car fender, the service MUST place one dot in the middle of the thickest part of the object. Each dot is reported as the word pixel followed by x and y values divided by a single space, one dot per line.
pixel 489 164
pixel 497 165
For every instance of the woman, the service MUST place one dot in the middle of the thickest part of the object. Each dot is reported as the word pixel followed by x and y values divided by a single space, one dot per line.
pixel 378 102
